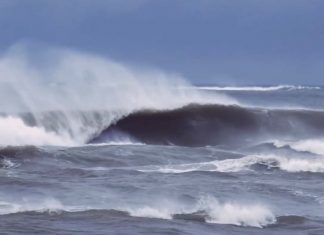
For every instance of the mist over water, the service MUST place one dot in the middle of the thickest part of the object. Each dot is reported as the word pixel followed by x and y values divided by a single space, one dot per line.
pixel 72 83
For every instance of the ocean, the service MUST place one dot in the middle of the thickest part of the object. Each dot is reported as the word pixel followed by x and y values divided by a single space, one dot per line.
pixel 247 160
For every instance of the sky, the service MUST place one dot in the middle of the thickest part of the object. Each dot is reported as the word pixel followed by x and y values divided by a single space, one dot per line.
pixel 232 42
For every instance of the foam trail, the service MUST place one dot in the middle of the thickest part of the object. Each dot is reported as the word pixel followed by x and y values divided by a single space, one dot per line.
pixel 289 164
pixel 69 81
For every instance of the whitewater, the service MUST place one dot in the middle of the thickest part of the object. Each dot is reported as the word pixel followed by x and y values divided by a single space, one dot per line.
pixel 89 145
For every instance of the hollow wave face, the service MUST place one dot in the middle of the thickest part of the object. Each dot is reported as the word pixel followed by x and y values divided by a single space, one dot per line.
pixel 215 125
pixel 259 88
pixel 81 93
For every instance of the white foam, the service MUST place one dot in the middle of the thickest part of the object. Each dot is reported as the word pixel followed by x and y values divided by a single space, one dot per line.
pixel 299 164
pixel 112 143
pixel 290 164
pixel 312 145
pixel 13 131
pixel 8 164
pixel 150 212
pixel 227 165
pixel 256 215
pixel 26 205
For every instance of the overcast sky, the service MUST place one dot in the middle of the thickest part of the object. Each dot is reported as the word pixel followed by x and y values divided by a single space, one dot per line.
pixel 208 41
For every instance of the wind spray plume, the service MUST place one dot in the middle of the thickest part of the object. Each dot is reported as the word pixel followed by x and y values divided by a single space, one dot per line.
pixel 77 95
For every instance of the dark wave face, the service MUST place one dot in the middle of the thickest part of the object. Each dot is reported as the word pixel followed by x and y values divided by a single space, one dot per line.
pixel 202 125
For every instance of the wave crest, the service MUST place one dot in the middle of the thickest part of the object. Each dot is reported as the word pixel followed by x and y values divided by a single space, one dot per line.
pixel 206 209
pixel 259 88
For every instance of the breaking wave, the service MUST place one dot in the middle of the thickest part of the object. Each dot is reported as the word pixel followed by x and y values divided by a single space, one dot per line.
pixel 63 97
pixel 315 146
pixel 209 209
pixel 259 88
pixel 206 209
pixel 15 132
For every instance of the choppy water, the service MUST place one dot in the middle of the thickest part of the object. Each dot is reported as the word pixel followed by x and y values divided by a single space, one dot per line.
pixel 194 170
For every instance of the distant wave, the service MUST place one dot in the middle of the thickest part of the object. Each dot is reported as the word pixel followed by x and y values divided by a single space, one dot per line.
pixel 258 88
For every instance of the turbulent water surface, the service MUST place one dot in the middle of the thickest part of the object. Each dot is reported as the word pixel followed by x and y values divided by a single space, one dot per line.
pixel 89 146
pixel 253 168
